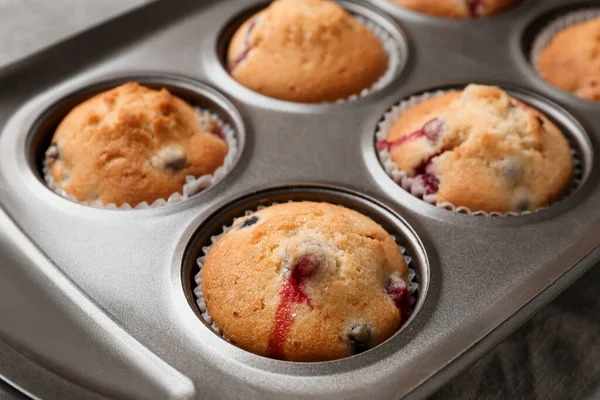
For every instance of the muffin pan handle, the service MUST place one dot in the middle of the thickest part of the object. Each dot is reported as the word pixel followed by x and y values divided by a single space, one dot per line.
pixel 60 329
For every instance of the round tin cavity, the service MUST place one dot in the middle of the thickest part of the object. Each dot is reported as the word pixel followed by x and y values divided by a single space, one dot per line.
pixel 396 46
pixel 394 224
pixel 194 93
pixel 540 33
pixel 474 8
pixel 575 134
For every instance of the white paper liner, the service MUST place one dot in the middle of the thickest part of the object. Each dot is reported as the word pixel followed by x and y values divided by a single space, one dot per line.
pixel 412 274
pixel 545 36
pixel 192 186
pixel 407 183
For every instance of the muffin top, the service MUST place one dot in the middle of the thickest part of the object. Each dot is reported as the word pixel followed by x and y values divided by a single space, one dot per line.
pixel 132 144
pixel 306 51
pixel 457 8
pixel 306 282
pixel 571 60
pixel 482 149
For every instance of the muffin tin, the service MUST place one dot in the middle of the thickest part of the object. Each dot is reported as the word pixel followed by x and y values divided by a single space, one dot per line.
pixel 95 303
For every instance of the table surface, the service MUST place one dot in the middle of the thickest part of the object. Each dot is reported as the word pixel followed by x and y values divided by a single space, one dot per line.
pixel 552 356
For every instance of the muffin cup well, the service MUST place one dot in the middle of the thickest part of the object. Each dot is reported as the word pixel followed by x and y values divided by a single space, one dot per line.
pixel 386 30
pixel 559 24
pixel 193 185
pixel 198 293
pixel 411 186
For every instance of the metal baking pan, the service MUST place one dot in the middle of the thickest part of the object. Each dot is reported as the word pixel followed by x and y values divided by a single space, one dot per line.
pixel 96 303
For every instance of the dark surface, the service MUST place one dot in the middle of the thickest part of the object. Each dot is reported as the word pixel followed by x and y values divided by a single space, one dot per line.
pixel 555 355
pixel 8 392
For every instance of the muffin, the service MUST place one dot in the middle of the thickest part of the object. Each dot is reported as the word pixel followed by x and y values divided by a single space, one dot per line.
pixel 482 149
pixel 132 144
pixel 306 282
pixel 571 60
pixel 307 51
pixel 457 8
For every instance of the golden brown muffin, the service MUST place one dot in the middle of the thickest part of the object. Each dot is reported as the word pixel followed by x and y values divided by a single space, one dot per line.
pixel 457 8
pixel 306 282
pixel 572 60
pixel 482 149
pixel 306 51
pixel 132 144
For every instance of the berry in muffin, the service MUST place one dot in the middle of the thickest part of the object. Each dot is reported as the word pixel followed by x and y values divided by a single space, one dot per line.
pixel 571 61
pixel 306 282
pixel 482 149
pixel 306 51
pixel 457 8
pixel 132 144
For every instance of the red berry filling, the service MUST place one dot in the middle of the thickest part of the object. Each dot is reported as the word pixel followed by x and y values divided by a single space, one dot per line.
pixel 431 130
pixel 219 132
pixel 475 8
pixel 399 293
pixel 52 154
pixel 425 175
pixel 247 46
pixel 292 292
pixel 212 126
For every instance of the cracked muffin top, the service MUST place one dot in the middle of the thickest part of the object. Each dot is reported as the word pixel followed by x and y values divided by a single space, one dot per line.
pixel 457 8
pixel 571 61
pixel 306 282
pixel 132 144
pixel 307 51
pixel 482 149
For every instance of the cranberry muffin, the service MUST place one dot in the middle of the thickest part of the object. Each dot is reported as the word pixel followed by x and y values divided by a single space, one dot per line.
pixel 132 144
pixel 571 60
pixel 482 149
pixel 457 8
pixel 307 51
pixel 306 282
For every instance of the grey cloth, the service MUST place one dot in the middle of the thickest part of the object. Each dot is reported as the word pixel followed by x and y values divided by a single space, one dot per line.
pixel 7 392
pixel 555 355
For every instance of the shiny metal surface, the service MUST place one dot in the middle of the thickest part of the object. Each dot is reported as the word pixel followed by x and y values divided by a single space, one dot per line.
pixel 94 300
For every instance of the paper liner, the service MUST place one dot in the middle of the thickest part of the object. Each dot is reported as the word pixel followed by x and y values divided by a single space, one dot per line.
pixel 407 183
pixel 545 36
pixel 412 275
pixel 192 186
